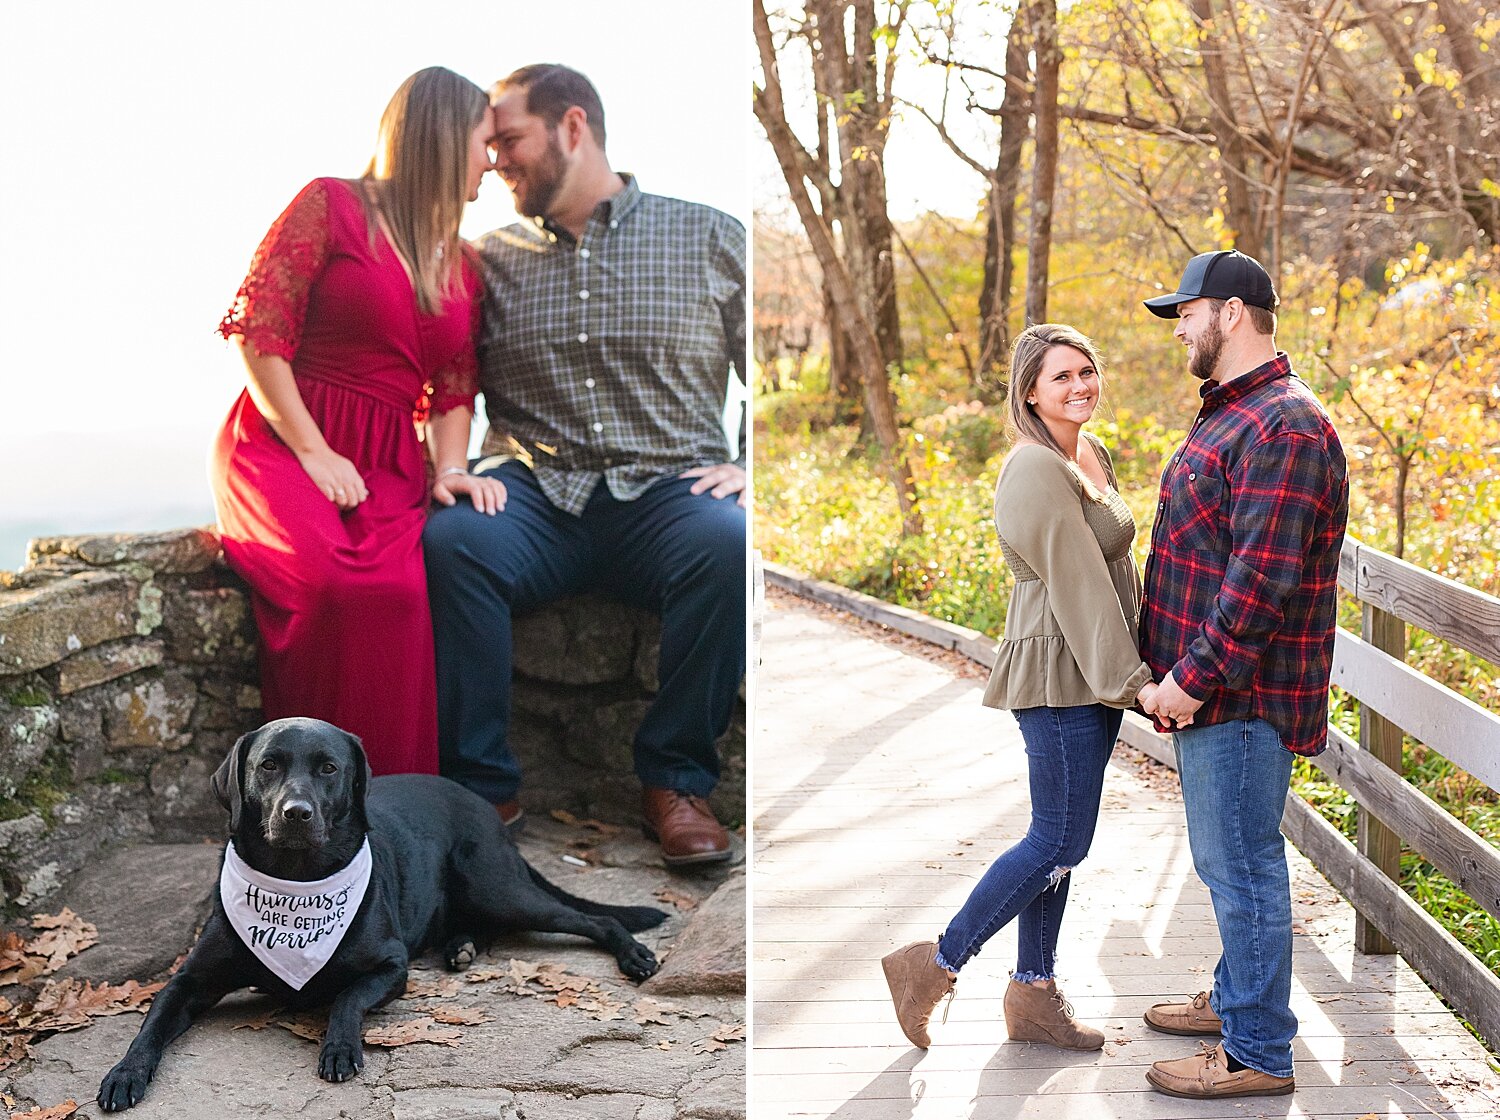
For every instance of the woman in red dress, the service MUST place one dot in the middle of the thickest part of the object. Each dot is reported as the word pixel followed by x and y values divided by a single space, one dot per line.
pixel 358 314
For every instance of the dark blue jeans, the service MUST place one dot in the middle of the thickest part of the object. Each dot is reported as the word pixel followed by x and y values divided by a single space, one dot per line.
pixel 679 554
pixel 1067 750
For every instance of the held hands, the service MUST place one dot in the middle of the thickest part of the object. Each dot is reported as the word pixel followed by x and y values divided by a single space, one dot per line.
pixel 1168 703
pixel 335 477
pixel 487 494
pixel 720 481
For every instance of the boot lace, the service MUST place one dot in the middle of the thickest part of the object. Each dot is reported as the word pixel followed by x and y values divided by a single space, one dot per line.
pixel 948 1002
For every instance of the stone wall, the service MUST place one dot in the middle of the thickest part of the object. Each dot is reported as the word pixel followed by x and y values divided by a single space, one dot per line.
pixel 128 669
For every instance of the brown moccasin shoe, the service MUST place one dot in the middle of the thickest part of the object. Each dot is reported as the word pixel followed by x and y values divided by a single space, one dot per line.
pixel 1207 1077
pixel 1038 1013
pixel 685 827
pixel 917 983
pixel 1194 1017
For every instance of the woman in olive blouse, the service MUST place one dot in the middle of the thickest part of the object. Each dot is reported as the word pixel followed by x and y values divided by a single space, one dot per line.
pixel 1067 666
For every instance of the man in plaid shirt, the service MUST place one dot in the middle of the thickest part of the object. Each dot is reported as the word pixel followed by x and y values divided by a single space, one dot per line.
pixel 1238 623
pixel 612 321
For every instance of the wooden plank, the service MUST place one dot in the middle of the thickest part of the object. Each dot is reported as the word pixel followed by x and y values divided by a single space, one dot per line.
pixel 1455 727
pixel 1136 731
pixel 1381 740
pixel 1453 848
pixel 1349 565
pixel 1445 964
pixel 1468 618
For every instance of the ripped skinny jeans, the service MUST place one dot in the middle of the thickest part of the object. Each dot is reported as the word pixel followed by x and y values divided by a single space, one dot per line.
pixel 1067 750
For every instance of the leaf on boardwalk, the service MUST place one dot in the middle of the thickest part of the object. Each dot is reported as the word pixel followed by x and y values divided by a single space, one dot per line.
pixel 421 987
pixel 461 1016
pixel 56 1112
pixel 682 901
pixel 412 1031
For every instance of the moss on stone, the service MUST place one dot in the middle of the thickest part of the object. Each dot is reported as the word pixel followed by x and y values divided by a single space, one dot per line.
pixel 41 791
pixel 28 698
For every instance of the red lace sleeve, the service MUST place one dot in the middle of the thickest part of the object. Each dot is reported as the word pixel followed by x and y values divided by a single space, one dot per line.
pixel 269 308
pixel 455 384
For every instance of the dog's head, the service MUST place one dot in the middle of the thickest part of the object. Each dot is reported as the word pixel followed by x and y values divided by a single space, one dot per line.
pixel 293 781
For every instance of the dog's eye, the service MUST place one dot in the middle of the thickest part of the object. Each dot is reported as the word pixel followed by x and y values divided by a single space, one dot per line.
pixel 268 764
pixel 328 768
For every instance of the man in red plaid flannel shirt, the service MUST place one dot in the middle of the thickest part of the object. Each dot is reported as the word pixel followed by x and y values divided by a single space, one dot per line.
pixel 1238 623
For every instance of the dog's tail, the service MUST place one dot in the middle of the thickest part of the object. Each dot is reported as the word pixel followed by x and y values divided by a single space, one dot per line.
pixel 633 918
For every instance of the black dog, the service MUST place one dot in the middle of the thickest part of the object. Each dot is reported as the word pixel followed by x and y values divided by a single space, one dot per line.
pixel 444 869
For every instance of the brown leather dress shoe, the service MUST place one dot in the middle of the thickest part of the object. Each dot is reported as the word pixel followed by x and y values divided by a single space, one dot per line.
pixel 1194 1017
pixel 512 816
pixel 918 984
pixel 1207 1077
pixel 684 826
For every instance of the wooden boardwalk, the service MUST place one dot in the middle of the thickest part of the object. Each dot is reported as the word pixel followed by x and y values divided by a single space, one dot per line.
pixel 882 788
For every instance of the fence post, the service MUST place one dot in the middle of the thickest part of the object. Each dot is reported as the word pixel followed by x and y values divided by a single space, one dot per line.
pixel 1382 739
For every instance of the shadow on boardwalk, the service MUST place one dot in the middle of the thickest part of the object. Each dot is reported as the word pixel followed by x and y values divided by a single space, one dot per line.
pixel 883 788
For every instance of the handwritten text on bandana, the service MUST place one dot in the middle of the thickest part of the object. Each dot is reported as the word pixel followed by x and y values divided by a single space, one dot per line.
pixel 292 927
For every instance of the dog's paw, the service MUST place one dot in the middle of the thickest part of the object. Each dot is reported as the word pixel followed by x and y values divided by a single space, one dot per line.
pixel 638 962
pixel 460 954
pixel 123 1087
pixel 339 1061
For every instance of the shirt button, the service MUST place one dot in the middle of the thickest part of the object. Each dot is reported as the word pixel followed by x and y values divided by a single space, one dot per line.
pixel 584 253
pixel 583 294
pixel 598 427
pixel 614 225
pixel 1192 477
pixel 583 337
pixel 588 383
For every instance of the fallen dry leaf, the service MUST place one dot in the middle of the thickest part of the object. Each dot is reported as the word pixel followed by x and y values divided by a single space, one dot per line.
pixel 259 1022
pixel 13 1048
pixel 565 999
pixel 419 987
pixel 734 1032
pixel 481 975
pixel 56 1112
pixel 720 1039
pixel 461 1016
pixel 677 898
pixel 310 1027
pixel 412 1031
pixel 586 822
pixel 648 1010
pixel 67 1005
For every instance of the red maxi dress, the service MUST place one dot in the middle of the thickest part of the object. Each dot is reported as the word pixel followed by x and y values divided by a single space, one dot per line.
pixel 341 598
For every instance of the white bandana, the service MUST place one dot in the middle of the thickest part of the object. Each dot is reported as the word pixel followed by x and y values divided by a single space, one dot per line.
pixel 291 926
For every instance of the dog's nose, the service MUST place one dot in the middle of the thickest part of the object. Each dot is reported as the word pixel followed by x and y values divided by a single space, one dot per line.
pixel 296 810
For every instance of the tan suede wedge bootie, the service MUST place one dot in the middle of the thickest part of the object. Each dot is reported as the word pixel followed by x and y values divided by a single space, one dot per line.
pixel 917 985
pixel 1038 1013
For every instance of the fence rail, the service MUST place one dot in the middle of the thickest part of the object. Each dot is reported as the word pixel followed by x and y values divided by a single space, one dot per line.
pixel 1397 700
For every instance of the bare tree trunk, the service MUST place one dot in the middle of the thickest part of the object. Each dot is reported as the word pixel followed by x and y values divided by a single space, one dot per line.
pixel 1242 207
pixel 1000 216
pixel 795 166
pixel 1044 172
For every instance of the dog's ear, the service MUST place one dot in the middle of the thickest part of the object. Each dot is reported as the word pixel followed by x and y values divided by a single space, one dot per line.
pixel 361 777
pixel 227 778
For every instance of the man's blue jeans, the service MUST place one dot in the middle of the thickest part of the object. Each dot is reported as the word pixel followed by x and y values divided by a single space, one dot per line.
pixel 679 554
pixel 1067 750
pixel 1234 785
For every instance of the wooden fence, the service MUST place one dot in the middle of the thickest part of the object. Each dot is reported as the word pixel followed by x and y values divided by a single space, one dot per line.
pixel 1396 699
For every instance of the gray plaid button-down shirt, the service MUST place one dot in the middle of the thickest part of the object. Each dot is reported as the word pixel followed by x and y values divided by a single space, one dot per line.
pixel 609 357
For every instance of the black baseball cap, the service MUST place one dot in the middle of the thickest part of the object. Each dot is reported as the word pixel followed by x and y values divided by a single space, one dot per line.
pixel 1224 274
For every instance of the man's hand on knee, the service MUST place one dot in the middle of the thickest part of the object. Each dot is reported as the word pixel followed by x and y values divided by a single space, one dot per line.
pixel 720 481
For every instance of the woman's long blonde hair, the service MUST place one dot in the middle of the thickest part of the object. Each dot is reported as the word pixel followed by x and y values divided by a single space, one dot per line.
pixel 420 172
pixel 1026 358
